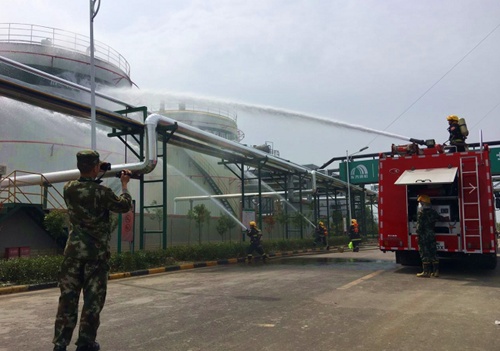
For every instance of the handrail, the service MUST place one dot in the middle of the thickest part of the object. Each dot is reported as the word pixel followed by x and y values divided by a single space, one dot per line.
pixel 191 138
pixel 180 106
pixel 21 33
pixel 12 192
pixel 59 80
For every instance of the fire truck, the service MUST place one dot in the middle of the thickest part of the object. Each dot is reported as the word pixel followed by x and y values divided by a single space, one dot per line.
pixel 461 191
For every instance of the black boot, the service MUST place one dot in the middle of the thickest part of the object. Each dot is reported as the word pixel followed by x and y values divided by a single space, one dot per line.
pixel 59 348
pixel 425 272
pixel 90 347
pixel 435 268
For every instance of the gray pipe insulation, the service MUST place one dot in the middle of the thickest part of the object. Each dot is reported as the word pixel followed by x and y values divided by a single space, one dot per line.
pixel 148 165
pixel 185 133
pixel 184 136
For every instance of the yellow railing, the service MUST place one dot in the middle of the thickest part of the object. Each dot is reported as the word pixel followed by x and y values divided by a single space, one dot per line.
pixel 18 192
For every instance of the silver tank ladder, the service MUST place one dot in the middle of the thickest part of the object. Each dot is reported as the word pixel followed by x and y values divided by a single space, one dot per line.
pixel 471 214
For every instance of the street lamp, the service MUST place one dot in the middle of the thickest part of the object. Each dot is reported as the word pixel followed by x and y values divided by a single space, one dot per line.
pixel 93 13
pixel 348 175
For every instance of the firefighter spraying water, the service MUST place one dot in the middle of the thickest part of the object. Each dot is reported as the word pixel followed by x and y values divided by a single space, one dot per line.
pixel 458 132
pixel 255 236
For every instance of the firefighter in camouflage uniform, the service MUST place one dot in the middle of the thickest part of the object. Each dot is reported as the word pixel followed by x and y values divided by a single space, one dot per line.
pixel 85 265
pixel 426 220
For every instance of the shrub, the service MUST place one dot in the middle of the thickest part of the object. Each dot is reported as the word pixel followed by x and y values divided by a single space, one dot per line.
pixel 56 223
pixel 45 269
pixel 128 262
pixel 30 270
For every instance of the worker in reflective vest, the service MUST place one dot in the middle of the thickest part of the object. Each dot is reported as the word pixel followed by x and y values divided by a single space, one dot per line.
pixel 354 235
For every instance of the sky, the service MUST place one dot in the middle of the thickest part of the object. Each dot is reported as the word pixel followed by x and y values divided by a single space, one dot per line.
pixel 316 78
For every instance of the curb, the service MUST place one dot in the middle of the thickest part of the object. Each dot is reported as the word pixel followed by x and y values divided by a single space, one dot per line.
pixel 34 287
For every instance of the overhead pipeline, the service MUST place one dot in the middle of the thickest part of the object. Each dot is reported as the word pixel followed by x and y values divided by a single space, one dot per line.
pixel 184 136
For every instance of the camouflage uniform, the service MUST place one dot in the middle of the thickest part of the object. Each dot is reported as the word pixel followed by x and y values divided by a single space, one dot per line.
pixel 85 265
pixel 426 221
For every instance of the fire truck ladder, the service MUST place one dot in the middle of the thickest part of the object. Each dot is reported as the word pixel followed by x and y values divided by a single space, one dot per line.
pixel 471 214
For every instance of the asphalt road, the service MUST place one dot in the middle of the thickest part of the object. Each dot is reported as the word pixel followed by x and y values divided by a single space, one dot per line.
pixel 334 301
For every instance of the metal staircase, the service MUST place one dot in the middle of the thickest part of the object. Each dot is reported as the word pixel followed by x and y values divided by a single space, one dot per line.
pixel 204 168
pixel 44 194
pixel 34 201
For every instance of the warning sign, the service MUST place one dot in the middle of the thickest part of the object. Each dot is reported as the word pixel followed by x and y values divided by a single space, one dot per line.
pixel 128 225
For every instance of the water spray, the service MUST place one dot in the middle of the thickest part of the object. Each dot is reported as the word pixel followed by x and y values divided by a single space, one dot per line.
pixel 280 113
pixel 209 197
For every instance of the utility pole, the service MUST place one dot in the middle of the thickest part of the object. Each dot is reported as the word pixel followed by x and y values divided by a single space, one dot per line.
pixel 348 175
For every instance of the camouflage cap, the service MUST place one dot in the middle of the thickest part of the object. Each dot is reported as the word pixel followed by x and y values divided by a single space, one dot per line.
pixel 87 157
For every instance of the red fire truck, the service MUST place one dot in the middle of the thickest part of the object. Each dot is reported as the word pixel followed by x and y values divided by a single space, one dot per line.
pixel 461 191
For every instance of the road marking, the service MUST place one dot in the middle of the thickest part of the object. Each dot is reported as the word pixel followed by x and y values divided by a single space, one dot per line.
pixel 362 279
pixel 266 325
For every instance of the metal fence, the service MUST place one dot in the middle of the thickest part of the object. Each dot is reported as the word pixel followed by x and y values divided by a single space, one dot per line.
pixel 46 36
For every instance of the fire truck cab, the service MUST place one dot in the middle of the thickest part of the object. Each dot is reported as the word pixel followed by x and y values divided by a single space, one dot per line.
pixel 461 191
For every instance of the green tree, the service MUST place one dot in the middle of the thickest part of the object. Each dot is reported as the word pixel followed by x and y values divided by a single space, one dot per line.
pixel 221 225
pixel 56 223
pixel 224 223
pixel 200 214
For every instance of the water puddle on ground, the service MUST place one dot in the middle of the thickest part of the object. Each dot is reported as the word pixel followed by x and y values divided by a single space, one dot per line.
pixel 359 263
pixel 319 260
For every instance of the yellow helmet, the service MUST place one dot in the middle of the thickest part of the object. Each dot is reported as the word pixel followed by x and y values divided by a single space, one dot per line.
pixel 353 221
pixel 452 118
pixel 424 198
pixel 252 224
pixel 320 223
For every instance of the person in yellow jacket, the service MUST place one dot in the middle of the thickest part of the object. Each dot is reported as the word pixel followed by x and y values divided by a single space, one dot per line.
pixel 354 235
pixel 255 242
pixel 456 138
pixel 321 235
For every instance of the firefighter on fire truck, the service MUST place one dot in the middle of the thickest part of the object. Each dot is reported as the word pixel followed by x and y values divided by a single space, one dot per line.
pixel 458 132
pixel 426 220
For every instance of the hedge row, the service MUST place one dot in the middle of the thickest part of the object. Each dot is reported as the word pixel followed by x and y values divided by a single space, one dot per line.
pixel 44 269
